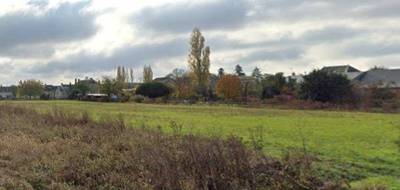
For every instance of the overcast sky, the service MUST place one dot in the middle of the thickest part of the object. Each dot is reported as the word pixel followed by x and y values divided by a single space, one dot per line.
pixel 58 40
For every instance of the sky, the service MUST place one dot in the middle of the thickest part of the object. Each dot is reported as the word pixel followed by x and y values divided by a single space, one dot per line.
pixel 57 41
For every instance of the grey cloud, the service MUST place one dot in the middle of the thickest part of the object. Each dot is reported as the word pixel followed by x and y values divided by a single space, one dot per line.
pixel 330 34
pixel 65 23
pixel 6 68
pixel 277 55
pixel 221 14
pixel 134 56
pixel 29 51
pixel 378 9
pixel 369 49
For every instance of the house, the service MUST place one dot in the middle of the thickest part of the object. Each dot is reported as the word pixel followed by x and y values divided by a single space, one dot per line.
pixel 8 92
pixel 57 92
pixel 387 78
pixel 63 91
pixel 346 70
pixel 6 95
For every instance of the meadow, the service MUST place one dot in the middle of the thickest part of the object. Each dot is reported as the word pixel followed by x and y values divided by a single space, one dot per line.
pixel 356 145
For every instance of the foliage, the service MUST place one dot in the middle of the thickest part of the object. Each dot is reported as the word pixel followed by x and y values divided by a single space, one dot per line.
pixel 257 74
pixel 199 62
pixel 30 88
pixel 239 71
pixel 228 87
pixel 111 86
pixel 273 85
pixel 153 90
pixel 79 89
pixel 325 87
pixel 147 74
pixel 250 88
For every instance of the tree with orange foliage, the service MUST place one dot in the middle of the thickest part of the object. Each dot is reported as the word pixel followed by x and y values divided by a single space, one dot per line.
pixel 228 87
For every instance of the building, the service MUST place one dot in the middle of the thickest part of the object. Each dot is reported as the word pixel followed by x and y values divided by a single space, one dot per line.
pixel 6 96
pixel 57 92
pixel 92 84
pixel 385 78
pixel 8 92
pixel 346 70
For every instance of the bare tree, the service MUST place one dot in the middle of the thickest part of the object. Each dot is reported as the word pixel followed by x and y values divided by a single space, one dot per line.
pixel 147 74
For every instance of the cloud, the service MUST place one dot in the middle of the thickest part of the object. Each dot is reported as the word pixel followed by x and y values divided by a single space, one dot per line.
pixel 51 40
pixel 330 34
pixel 372 49
pixel 183 17
pixel 131 56
pixel 68 22
pixel 277 55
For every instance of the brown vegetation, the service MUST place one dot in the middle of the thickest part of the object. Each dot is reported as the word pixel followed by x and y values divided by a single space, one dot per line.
pixel 63 151
pixel 228 87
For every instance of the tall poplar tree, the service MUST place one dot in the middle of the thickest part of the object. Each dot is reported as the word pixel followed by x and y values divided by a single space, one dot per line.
pixel 199 62
pixel 147 74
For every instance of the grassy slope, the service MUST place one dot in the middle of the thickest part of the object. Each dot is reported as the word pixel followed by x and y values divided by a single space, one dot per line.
pixel 359 143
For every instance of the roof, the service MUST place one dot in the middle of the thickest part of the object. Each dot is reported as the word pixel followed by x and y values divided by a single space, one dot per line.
pixel 347 70
pixel 340 69
pixel 380 77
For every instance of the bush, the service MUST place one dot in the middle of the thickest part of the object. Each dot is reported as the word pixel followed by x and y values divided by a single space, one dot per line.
pixel 325 87
pixel 153 90
pixel 138 98
pixel 58 150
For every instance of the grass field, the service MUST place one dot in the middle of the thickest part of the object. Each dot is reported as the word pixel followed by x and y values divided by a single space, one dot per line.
pixel 359 145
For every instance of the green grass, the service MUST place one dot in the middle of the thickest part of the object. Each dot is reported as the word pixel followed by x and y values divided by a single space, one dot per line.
pixel 358 145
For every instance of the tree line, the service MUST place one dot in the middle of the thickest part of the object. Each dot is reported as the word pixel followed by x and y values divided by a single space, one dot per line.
pixel 197 83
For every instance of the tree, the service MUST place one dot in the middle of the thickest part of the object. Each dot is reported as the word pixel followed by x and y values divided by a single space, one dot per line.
pixel 257 74
pixel 273 85
pixel 228 87
pixel 199 62
pixel 147 74
pixel 325 87
pixel 153 90
pixel 111 86
pixel 239 71
pixel 30 88
pixel 221 72
pixel 79 89
pixel 181 83
pixel 131 75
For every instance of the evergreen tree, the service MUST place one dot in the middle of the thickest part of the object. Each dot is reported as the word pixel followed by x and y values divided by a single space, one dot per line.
pixel 239 71
pixel 257 74
pixel 221 72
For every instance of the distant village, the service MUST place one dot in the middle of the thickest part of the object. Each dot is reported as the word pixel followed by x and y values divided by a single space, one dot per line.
pixel 344 85
pixel 387 78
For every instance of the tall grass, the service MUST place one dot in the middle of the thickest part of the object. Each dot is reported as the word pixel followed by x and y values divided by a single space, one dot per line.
pixel 59 150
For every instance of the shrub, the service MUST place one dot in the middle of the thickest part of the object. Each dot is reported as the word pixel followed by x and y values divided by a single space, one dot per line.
pixel 138 98
pixel 58 150
pixel 153 90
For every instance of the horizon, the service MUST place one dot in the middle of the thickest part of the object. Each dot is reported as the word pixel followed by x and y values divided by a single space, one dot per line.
pixel 56 41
